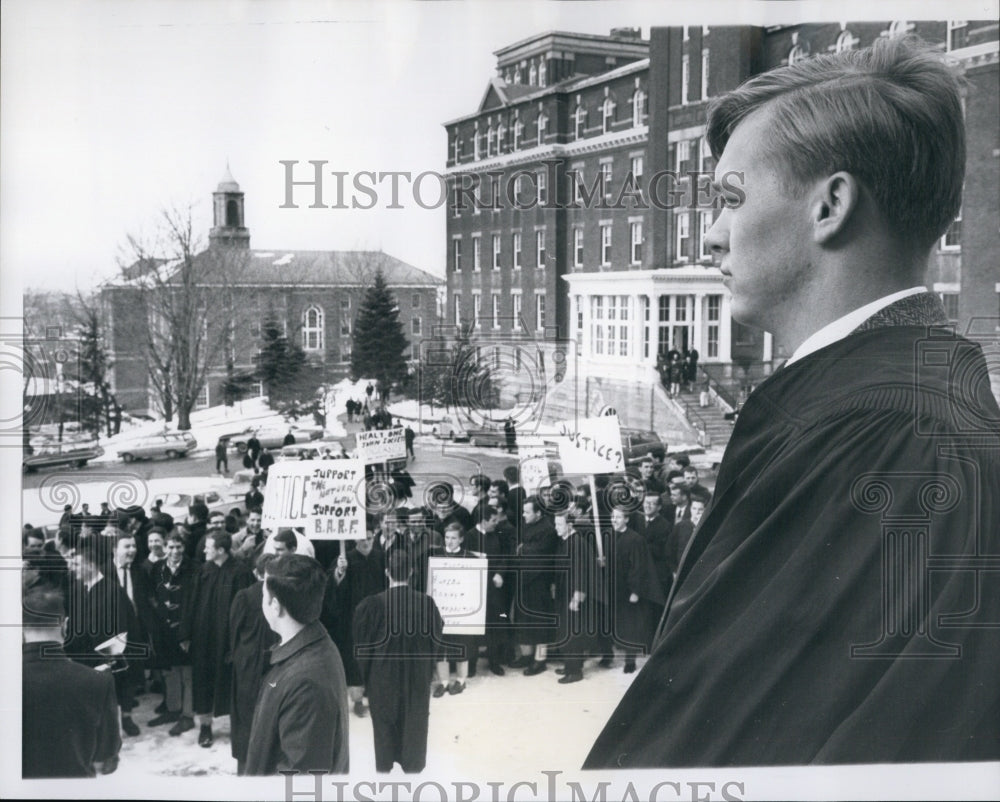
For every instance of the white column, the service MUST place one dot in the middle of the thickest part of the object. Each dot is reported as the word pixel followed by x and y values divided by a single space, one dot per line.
pixel 768 346
pixel 585 346
pixel 725 329
pixel 635 327
pixel 699 300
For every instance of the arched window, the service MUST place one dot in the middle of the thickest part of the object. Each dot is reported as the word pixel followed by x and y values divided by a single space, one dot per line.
pixel 517 75
pixel 477 155
pixel 312 329
pixel 490 144
pixel 517 132
pixel 845 42
pixel 542 72
pixel 899 28
pixel 580 119
pixel 501 138
pixel 532 75
pixel 232 214
pixel 608 114
pixel 638 101
pixel 796 54
pixel 543 124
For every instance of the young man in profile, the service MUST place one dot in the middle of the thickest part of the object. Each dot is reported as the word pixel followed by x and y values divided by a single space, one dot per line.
pixel 300 722
pixel 806 623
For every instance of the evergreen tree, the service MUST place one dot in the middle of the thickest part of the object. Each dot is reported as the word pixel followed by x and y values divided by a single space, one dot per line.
pixel 283 369
pixel 379 342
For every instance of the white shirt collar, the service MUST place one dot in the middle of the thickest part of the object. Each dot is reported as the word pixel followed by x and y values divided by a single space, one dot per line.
pixel 842 326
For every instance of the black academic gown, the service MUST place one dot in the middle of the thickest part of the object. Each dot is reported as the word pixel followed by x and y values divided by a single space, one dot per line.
pixel 634 573
pixel 534 608
pixel 397 636
pixel 783 643
pixel 250 641
pixel 206 625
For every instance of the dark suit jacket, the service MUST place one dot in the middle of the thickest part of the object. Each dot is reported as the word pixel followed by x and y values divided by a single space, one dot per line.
pixel 69 720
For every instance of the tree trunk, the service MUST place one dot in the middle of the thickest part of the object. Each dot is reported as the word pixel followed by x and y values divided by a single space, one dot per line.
pixel 183 418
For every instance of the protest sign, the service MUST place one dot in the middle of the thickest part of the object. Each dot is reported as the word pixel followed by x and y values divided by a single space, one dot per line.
pixel 325 497
pixel 458 587
pixel 381 445
pixel 591 445
pixel 534 466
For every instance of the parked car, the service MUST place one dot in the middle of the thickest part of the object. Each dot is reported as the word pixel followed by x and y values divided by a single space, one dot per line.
pixel 487 436
pixel 638 443
pixel 297 452
pixel 446 429
pixel 274 436
pixel 166 444
pixel 176 503
pixel 46 456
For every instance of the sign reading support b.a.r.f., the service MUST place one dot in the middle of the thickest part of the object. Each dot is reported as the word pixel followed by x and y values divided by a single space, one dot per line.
pixel 320 495
pixel 381 445
pixel 591 445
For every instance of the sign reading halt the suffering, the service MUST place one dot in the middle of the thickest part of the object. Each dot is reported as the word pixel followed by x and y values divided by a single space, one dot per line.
pixel 458 587
pixel 326 497
pixel 381 445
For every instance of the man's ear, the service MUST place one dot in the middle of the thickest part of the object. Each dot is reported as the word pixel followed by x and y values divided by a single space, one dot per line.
pixel 835 199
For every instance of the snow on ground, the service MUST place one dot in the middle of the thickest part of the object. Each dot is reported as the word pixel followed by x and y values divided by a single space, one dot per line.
pixel 499 727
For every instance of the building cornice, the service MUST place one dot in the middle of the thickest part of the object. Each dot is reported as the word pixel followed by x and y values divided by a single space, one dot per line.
pixel 632 136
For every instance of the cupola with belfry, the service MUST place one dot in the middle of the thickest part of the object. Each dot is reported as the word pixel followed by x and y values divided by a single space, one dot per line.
pixel 227 203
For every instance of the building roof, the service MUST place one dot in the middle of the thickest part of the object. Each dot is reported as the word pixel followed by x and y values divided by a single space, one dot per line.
pixel 285 268
pixel 228 183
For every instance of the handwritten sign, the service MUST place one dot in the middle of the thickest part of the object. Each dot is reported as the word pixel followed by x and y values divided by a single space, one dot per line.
pixel 591 445
pixel 320 495
pixel 534 469
pixel 458 587
pixel 381 445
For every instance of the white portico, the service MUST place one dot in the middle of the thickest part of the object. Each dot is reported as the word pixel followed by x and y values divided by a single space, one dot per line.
pixel 621 320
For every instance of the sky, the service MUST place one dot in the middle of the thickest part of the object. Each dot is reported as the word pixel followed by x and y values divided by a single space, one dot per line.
pixel 114 111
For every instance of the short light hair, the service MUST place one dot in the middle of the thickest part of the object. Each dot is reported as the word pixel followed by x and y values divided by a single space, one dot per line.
pixel 889 114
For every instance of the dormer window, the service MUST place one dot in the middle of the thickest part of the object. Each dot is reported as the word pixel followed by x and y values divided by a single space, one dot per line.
pixel 532 75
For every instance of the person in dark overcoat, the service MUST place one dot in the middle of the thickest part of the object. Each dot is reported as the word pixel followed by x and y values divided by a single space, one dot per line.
pixel 397 636
pixel 205 630
pixel 353 578
pixel 534 607
pixel 637 595
pixel 250 640
pixel 69 725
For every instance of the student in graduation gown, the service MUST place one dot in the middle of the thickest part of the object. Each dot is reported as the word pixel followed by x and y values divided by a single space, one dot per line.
pixel 397 637
pixel 534 610
pixel 250 641
pixel 783 630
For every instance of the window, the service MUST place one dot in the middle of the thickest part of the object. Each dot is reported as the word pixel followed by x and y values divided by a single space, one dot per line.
pixel 606 244
pixel 312 329
pixel 541 187
pixel 476 153
pixel 706 162
pixel 958 34
pixel 345 352
pixel 606 180
pixel 477 253
pixel 345 305
pixel 636 168
pixel 609 325
pixel 457 305
pixel 501 138
pixel 518 132
pixel 578 305
pixel 490 141
pixel 796 54
pixel 540 311
pixel 638 102
pixel 477 308
pixel 201 402
pixel 543 124
pixel 950 301
pixel 542 72
pixel 685 77
pixel 415 326
pixel 517 75
pixel 704 73
pixel 635 236
pixel 579 121
pixel 952 239
pixel 496 251
pixel 684 162
pixel 515 299
pixel 704 224
pixel 345 326
pixel 683 236
pixel 578 247
pixel 713 314
pixel 532 74
pixel 456 247
pixel 456 148
pixel 496 310
pixel 644 312
pixel 577 179
pixel 415 301
pixel 899 28
pixel 515 244
pixel 540 249
pixel 607 115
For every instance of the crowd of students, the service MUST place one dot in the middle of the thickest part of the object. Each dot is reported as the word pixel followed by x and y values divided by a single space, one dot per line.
pixel 186 595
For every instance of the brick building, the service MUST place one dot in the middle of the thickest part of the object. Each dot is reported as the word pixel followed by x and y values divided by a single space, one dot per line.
pixel 315 295
pixel 572 213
